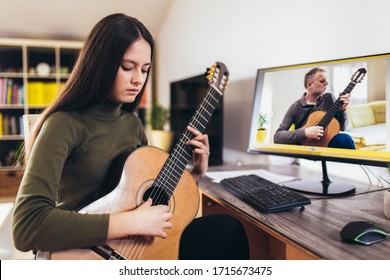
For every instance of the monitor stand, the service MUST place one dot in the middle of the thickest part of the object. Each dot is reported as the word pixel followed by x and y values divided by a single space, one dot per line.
pixel 325 187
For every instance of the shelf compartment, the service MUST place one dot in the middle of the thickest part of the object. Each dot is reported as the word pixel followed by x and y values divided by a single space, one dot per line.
pixel 11 60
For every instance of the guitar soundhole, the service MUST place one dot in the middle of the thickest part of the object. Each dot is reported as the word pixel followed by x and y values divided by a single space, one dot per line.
pixel 158 195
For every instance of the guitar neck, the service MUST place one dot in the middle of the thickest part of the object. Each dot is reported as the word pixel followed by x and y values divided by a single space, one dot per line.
pixel 331 113
pixel 178 159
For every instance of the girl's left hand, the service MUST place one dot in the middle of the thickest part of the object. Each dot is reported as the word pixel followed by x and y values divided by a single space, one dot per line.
pixel 200 152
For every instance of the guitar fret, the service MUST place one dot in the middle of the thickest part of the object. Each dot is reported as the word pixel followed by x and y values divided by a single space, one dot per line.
pixel 183 146
pixel 205 109
pixel 183 163
pixel 178 162
pixel 168 185
pixel 173 169
pixel 173 172
pixel 173 177
pixel 198 114
pixel 215 94
pixel 176 156
pixel 349 87
pixel 183 150
pixel 186 138
pixel 167 181
pixel 173 161
pixel 211 105
pixel 216 90
pixel 199 124
pixel 186 152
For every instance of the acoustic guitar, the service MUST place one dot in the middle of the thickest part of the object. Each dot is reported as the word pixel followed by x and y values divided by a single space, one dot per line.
pixel 151 172
pixel 327 119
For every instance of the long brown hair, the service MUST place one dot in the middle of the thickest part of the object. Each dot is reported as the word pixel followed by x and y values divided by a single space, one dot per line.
pixel 94 74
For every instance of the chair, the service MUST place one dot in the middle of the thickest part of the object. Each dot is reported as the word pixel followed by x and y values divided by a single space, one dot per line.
pixel 29 121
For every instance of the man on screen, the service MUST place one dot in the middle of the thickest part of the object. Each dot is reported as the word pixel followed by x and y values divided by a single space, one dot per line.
pixel 295 128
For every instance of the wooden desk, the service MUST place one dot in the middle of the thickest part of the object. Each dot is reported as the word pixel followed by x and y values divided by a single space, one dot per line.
pixel 9 184
pixel 309 234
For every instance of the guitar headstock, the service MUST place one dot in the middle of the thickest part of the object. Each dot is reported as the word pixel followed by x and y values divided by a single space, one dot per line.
pixel 218 75
pixel 358 76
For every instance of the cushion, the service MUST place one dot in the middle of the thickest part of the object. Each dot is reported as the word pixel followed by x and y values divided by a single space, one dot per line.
pixel 379 108
pixel 361 115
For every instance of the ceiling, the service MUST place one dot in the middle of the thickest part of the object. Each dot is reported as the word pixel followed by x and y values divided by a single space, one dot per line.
pixel 72 19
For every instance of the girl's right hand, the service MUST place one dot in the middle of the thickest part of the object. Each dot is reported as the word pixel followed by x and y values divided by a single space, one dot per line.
pixel 145 220
pixel 153 220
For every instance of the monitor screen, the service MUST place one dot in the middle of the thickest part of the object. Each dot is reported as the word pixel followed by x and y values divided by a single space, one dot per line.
pixel 278 96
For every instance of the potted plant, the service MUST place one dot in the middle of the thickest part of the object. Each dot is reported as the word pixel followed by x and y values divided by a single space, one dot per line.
pixel 159 136
pixel 159 117
pixel 261 129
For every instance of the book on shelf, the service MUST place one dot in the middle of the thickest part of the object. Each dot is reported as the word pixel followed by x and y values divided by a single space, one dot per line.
pixel 11 92
pixel 1 124
pixel 10 124
pixel 40 93
pixel 14 125
pixel 6 124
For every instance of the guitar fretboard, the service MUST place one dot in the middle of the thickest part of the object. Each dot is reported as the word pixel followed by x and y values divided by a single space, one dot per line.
pixel 180 155
pixel 327 118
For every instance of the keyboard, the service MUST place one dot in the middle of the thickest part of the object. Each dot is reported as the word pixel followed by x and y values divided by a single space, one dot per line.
pixel 264 195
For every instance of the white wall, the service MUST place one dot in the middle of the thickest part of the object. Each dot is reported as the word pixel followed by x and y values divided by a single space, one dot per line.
pixel 251 34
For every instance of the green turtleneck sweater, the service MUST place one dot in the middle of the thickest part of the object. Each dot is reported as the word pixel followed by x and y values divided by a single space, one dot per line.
pixel 68 165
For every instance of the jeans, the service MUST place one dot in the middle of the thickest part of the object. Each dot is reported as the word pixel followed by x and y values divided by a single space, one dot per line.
pixel 342 140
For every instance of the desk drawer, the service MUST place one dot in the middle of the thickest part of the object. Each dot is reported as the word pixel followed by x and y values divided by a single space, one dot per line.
pixel 9 184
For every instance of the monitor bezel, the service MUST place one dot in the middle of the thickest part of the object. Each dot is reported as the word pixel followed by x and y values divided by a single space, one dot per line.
pixel 373 158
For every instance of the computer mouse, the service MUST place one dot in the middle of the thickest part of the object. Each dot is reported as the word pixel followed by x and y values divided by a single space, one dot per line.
pixel 362 232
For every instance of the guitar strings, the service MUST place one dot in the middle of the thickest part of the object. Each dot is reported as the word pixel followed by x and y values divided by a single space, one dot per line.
pixel 176 163
pixel 208 105
pixel 174 167
pixel 157 195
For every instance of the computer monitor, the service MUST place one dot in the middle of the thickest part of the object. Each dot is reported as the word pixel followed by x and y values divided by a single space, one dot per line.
pixel 277 88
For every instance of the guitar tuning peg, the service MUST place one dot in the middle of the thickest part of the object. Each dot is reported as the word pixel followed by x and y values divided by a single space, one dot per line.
pixel 210 74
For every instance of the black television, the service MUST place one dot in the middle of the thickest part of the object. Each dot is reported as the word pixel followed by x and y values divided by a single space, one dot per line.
pixel 277 88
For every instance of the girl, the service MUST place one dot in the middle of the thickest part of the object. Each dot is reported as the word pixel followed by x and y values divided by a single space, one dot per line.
pixel 78 137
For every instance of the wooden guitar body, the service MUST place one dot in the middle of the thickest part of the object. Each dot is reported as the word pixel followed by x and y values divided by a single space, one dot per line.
pixel 330 131
pixel 139 172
